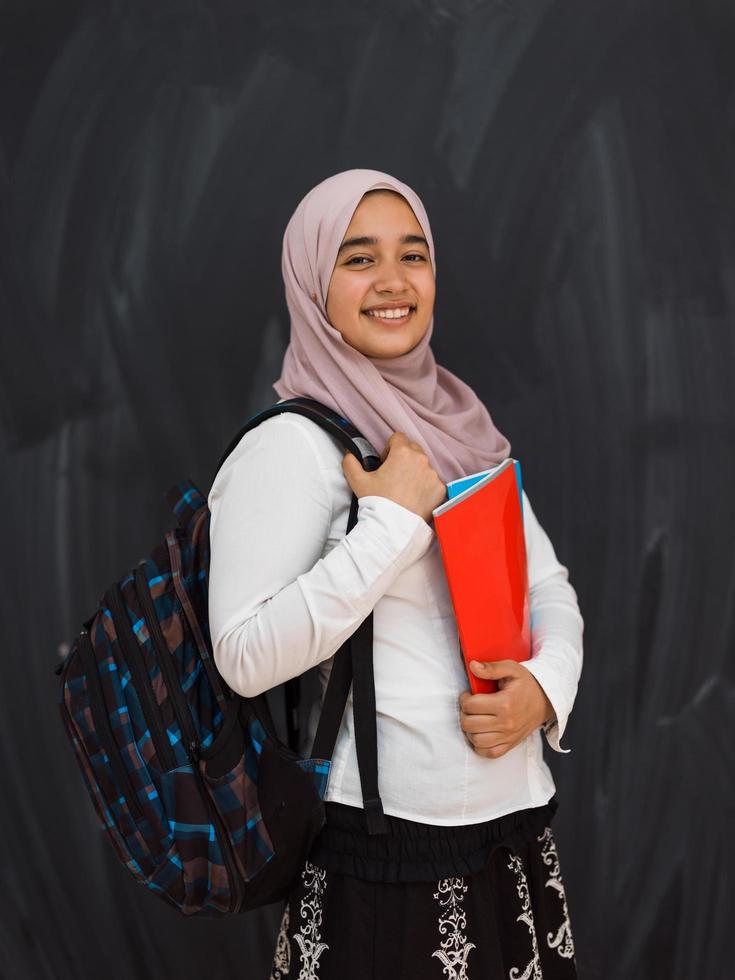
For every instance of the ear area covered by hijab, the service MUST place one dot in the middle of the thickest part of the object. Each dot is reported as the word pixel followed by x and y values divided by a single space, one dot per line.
pixel 410 393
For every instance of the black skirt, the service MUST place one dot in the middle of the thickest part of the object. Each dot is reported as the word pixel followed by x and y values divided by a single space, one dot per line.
pixel 475 902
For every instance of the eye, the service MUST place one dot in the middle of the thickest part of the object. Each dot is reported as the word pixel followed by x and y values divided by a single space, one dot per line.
pixel 412 255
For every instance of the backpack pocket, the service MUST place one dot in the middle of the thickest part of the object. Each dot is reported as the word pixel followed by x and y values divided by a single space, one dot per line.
pixel 290 797
pixel 132 652
pixel 123 797
pixel 197 873
pixel 230 769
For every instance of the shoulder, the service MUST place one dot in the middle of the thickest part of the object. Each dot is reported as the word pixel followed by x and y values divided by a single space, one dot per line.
pixel 322 444
pixel 287 440
pixel 289 429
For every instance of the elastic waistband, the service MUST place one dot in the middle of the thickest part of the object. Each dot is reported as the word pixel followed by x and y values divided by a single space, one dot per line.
pixel 414 851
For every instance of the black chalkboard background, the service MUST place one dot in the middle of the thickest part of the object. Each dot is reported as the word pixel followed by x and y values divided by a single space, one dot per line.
pixel 576 160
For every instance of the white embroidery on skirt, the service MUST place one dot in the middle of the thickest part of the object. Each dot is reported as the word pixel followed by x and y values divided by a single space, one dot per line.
pixel 308 936
pixel 534 966
pixel 282 957
pixel 562 942
pixel 455 949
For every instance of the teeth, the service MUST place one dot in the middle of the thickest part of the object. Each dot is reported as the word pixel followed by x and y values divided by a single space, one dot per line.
pixel 390 314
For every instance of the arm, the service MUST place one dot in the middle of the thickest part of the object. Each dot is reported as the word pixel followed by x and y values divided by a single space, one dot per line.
pixel 276 608
pixel 556 626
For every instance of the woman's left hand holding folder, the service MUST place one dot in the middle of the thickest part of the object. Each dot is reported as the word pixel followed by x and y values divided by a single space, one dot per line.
pixel 496 723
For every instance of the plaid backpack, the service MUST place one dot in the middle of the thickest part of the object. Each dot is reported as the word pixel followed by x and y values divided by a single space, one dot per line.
pixel 201 800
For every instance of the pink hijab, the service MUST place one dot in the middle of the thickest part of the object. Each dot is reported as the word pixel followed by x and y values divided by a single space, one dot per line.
pixel 410 393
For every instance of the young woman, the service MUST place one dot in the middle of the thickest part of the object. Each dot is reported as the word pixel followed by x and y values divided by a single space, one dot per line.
pixel 466 883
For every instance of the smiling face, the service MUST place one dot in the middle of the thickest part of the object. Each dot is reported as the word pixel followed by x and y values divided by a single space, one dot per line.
pixel 389 269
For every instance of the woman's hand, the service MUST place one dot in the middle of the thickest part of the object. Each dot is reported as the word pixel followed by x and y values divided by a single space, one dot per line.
pixel 404 476
pixel 496 723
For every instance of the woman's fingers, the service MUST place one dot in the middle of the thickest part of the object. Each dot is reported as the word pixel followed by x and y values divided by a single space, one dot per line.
pixel 487 724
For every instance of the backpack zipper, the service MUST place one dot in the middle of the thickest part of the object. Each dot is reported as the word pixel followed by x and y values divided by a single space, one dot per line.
pixel 191 739
pixel 102 723
pixel 143 684
pixel 223 838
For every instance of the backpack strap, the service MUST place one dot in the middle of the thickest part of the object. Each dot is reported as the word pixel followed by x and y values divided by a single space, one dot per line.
pixel 353 662
pixel 335 424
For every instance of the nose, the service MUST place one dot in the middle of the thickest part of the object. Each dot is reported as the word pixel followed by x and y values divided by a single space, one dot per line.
pixel 391 279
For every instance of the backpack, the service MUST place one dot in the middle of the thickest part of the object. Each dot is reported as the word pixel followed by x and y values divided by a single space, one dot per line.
pixel 201 799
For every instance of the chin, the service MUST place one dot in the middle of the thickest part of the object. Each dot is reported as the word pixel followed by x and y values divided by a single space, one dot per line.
pixel 387 347
pixel 395 351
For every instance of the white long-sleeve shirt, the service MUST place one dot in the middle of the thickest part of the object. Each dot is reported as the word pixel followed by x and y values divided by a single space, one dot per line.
pixel 288 586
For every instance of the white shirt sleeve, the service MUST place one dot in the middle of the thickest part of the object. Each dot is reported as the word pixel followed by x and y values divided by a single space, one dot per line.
pixel 276 607
pixel 557 626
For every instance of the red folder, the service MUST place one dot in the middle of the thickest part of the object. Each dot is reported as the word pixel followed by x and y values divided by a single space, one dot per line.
pixel 483 550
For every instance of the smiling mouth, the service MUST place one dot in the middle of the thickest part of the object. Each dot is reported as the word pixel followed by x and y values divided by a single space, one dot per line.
pixel 391 320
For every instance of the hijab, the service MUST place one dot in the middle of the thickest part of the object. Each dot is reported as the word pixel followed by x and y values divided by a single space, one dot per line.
pixel 410 393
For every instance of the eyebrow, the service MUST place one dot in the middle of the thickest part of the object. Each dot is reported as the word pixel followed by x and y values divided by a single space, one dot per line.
pixel 371 240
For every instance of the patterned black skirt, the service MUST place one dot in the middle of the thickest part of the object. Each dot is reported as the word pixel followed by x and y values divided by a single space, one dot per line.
pixel 479 902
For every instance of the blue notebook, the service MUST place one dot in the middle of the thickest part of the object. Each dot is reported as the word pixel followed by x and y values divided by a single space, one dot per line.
pixel 456 487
